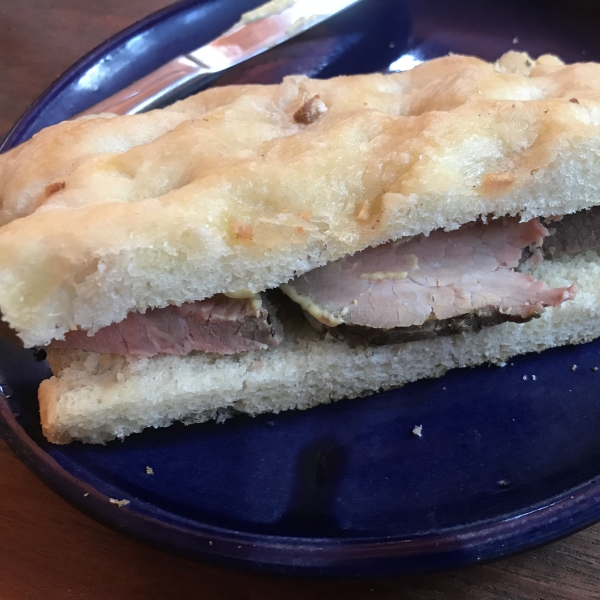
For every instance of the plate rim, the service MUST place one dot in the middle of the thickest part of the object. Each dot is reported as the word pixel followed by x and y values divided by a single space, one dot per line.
pixel 571 512
pixel 331 558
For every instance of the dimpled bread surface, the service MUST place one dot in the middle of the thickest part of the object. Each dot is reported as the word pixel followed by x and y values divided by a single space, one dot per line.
pixel 229 191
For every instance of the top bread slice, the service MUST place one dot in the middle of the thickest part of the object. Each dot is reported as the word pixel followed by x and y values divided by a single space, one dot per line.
pixel 241 188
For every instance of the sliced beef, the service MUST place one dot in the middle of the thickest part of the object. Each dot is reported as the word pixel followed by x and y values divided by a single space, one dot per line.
pixel 573 234
pixel 220 324
pixel 437 285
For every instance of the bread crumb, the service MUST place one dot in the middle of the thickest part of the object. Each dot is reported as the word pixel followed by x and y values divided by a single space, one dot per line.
pixel 574 368
pixel 525 378
pixel 210 542
pixel 594 369
pixel 515 40
pixel 418 430
pixel 573 101
pixel 502 482
pixel 501 364
pixel 119 503
pixel 86 494
pixel 149 471
pixel 222 415
pixel 533 378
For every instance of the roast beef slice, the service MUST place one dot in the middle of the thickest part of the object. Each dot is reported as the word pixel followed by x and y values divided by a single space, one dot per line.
pixel 439 284
pixel 219 324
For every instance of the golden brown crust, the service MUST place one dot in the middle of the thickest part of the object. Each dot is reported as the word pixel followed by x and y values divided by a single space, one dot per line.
pixel 310 111
pixel 211 195
pixel 48 395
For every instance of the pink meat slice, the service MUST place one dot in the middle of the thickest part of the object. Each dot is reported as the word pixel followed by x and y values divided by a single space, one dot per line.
pixel 447 274
pixel 219 324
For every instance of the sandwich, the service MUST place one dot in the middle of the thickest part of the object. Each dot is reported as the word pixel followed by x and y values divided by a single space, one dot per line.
pixel 257 248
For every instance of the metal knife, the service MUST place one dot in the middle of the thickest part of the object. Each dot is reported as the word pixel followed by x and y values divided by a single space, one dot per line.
pixel 252 35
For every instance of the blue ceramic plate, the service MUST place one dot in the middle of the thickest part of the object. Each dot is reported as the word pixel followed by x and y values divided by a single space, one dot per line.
pixel 506 461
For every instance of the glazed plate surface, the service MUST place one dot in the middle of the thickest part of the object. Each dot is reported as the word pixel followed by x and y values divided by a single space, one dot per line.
pixel 506 461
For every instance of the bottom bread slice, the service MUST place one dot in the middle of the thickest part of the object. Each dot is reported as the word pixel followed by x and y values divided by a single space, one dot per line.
pixel 96 398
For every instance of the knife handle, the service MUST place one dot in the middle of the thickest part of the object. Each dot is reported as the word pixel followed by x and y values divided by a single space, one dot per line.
pixel 166 83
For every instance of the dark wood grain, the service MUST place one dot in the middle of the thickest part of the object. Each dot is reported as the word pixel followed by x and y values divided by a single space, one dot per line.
pixel 49 550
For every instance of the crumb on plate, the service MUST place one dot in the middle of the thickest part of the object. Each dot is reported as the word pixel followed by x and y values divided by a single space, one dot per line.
pixel 119 503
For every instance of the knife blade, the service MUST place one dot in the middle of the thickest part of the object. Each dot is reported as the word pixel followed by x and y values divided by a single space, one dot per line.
pixel 257 31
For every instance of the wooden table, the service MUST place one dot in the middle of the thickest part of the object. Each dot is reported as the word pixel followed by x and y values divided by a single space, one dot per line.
pixel 49 550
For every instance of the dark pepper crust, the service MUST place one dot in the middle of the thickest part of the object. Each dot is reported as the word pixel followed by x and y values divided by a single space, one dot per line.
pixel 573 234
pixel 359 335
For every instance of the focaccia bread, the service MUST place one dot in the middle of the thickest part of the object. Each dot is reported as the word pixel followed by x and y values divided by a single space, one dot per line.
pixel 239 189
pixel 421 221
